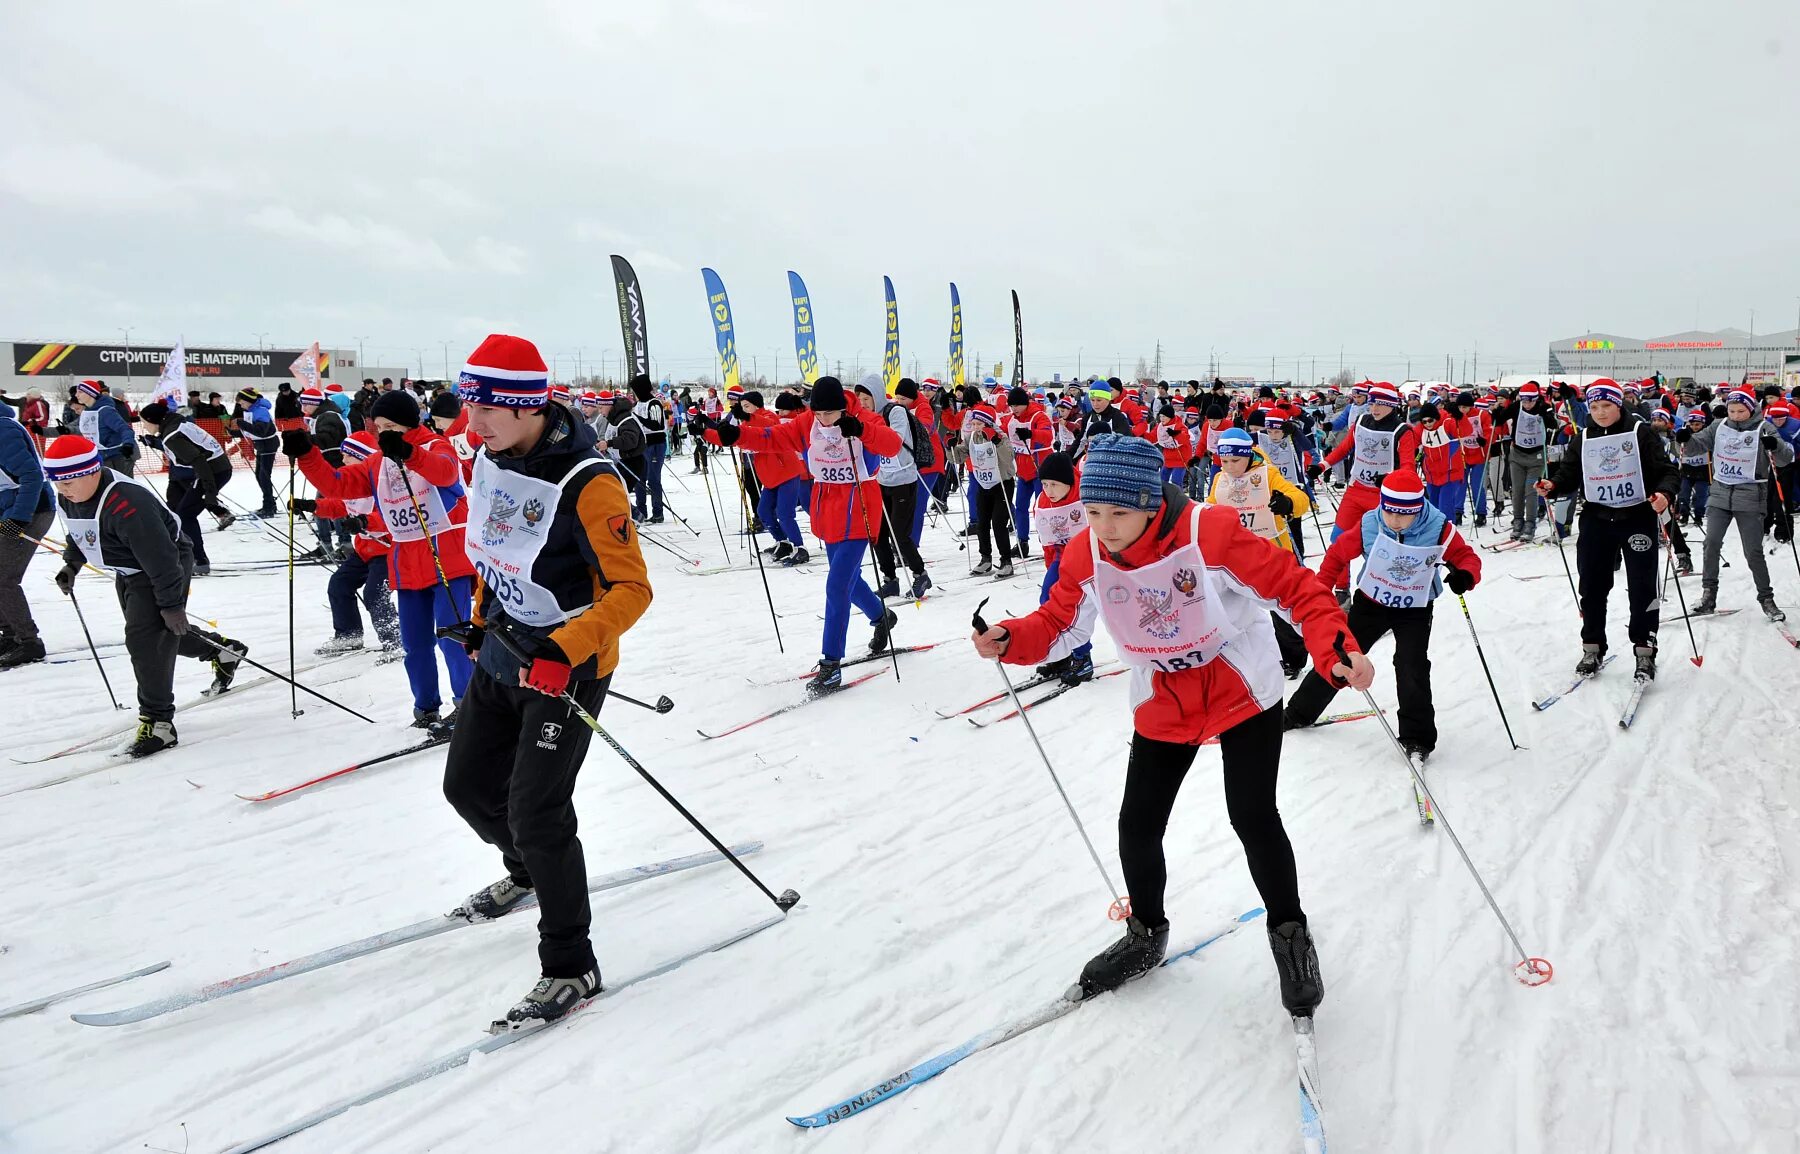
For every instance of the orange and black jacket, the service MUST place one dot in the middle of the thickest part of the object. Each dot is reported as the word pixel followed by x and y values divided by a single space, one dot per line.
pixel 590 561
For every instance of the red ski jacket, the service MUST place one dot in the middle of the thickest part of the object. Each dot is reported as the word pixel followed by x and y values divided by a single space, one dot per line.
pixel 410 563
pixel 838 512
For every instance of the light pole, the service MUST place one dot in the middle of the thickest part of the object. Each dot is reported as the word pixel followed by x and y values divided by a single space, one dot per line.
pixel 260 359
pixel 360 363
pixel 446 345
pixel 127 333
pixel 578 352
pixel 1078 351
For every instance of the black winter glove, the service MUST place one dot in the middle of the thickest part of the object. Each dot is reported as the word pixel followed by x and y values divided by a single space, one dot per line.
pixel 302 505
pixel 728 434
pixel 1281 504
pixel 1344 597
pixel 1314 471
pixel 1023 432
pixel 1193 462
pixel 357 523
pixel 1683 436
pixel 175 621
pixel 296 443
pixel 394 445
pixel 1769 439
pixel 1452 410
pixel 1460 581
pixel 850 424
pixel 65 579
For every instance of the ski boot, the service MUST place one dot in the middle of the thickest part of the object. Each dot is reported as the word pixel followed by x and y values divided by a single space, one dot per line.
pixel 31 652
pixel 549 1000
pixel 202 569
pixel 391 651
pixel 1646 662
pixel 1591 656
pixel 226 519
pixel 152 737
pixel 984 567
pixel 1005 570
pixel 654 519
pixel 493 902
pixel 921 581
pixel 797 557
pixel 1132 956
pixel 829 678
pixel 1024 549
pixel 1770 610
pixel 443 727
pixel 1292 669
pixel 1708 603
pixel 424 718
pixel 1416 752
pixel 1055 668
pixel 1684 565
pixel 225 666
pixel 341 643
pixel 1297 964
pixel 8 639
pixel 778 550
pixel 1480 521
pixel 884 632
pixel 888 588
pixel 1078 670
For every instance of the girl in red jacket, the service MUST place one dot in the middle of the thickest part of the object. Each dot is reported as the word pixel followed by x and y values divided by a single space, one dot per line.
pixel 1377 443
pixel 1177 448
pixel 1441 433
pixel 780 475
pixel 416 483
pixel 1028 426
pixel 1185 592
pixel 1060 516
pixel 364 572
pixel 841 450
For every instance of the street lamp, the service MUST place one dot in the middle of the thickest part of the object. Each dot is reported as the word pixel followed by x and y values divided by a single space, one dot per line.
pixel 362 364
pixel 127 333
pixel 259 357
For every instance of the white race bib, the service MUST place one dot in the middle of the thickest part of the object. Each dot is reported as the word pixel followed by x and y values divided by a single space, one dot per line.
pixel 1058 524
pixel 1374 458
pixel 401 512
pixel 1282 454
pixel 1734 455
pixel 1528 431
pixel 1248 495
pixel 89 424
pixel 517 513
pixel 1167 615
pixel 984 462
pixel 831 457
pixel 1399 576
pixel 1612 470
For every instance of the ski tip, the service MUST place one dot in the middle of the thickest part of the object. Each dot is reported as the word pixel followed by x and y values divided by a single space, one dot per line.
pixel 1251 915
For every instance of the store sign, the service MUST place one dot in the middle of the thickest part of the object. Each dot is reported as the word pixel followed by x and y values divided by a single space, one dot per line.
pixel 1595 346
pixel 84 361
pixel 1684 344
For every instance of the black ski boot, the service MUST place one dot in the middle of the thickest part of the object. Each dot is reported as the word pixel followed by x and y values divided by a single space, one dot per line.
pixel 549 1000
pixel 8 639
pixel 153 737
pixel 1054 668
pixel 1078 670
pixel 31 652
pixel 1591 656
pixel 781 550
pixel 921 581
pixel 1297 964
pixel 1415 750
pixel 225 666
pixel 1132 956
pixel 495 901
pixel 828 678
pixel 424 718
pixel 1708 603
pixel 797 557
pixel 884 632
pixel 443 727
pixel 1684 565
pixel 1770 610
pixel 1646 662
pixel 1480 521
pixel 888 588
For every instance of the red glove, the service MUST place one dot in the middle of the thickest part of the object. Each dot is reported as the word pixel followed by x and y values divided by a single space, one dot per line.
pixel 550 678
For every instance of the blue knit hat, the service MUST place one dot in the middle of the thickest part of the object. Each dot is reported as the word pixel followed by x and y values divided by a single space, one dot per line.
pixel 1235 443
pixel 1122 470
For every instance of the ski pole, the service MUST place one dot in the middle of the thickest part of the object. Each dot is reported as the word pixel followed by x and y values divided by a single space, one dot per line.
pixel 784 903
pixel 1121 905
pixel 1530 970
pixel 1556 536
pixel 869 536
pixel 431 542
pixel 713 504
pixel 1680 597
pixel 1782 505
pixel 756 551
pixel 1473 636
pixel 81 617
pixel 663 704
pixel 293 686
pixel 217 648
pixel 637 480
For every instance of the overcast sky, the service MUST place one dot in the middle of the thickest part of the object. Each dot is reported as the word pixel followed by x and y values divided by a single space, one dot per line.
pixel 1241 179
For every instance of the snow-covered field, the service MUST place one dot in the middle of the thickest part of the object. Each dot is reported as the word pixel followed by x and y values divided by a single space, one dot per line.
pixel 944 891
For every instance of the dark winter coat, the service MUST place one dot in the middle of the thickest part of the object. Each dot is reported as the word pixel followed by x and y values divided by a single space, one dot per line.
pixel 137 531
pixel 1660 474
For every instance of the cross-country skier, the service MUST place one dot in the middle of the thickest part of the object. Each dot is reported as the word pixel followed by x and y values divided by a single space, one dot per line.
pixel 1742 447
pixel 842 449
pixel 1532 425
pixel 1376 444
pixel 1401 543
pixel 561 577
pixel 1027 428
pixel 1265 503
pixel 1177 446
pixel 99 420
pixel 1617 464
pixel 116 523
pixel 1185 593
pixel 416 482
pixel 25 510
pixel 1060 515
pixel 198 469
pixel 899 477
pixel 990 480
pixel 1662 421
pixel 364 572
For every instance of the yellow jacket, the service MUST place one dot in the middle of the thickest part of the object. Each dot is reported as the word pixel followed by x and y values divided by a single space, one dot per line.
pixel 1262 478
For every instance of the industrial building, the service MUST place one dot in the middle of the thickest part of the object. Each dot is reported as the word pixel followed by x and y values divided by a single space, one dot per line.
pixel 1709 358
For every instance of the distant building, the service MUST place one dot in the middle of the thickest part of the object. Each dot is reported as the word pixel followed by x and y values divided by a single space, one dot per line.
pixel 55 366
pixel 1707 358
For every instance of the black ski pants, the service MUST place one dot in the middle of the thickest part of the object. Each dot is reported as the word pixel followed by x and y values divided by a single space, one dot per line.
pixel 1252 757
pixel 510 773
pixel 15 555
pixel 1369 623
pixel 1604 541
pixel 898 504
pixel 152 648
pixel 993 519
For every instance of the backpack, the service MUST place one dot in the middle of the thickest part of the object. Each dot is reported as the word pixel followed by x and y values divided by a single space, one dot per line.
pixel 923 454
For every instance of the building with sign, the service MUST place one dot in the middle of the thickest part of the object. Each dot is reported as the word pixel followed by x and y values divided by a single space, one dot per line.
pixel 55 366
pixel 1708 358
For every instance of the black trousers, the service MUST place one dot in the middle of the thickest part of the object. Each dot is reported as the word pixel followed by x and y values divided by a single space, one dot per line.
pixel 993 519
pixel 1604 541
pixel 152 648
pixel 1369 623
pixel 1289 641
pixel 898 505
pixel 186 500
pixel 15 555
pixel 510 773
pixel 1252 756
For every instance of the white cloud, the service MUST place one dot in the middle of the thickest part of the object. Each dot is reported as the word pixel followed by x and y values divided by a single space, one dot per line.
pixel 81 177
pixel 371 240
pixel 592 231
pixel 448 195
pixel 644 258
pixel 497 256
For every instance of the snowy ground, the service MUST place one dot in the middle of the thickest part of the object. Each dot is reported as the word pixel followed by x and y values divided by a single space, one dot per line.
pixel 944 892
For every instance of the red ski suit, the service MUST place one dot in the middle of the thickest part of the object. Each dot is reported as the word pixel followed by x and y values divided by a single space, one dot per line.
pixel 410 563
pixel 837 512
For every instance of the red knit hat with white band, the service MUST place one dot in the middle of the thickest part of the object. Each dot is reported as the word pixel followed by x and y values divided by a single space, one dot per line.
pixel 69 457
pixel 1402 492
pixel 506 371
pixel 1384 394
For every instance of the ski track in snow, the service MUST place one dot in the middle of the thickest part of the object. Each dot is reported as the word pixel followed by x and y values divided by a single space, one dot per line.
pixel 944 891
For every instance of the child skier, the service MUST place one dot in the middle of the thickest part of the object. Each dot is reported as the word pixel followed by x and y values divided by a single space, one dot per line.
pixel 1060 516
pixel 1264 502
pixel 1617 464
pixel 1376 444
pixel 1177 447
pixel 1185 593
pixel 1742 447
pixel 1402 542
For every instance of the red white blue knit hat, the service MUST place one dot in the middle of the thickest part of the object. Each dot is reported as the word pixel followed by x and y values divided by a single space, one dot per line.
pixel 1362 387
pixel 982 417
pixel 559 393
pixel 1530 389
pixel 1402 492
pixel 1698 416
pixel 507 372
pixel 1605 389
pixel 311 395
pixel 1741 396
pixel 1661 414
pixel 1384 394
pixel 69 457
pixel 357 449
pixel 89 389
